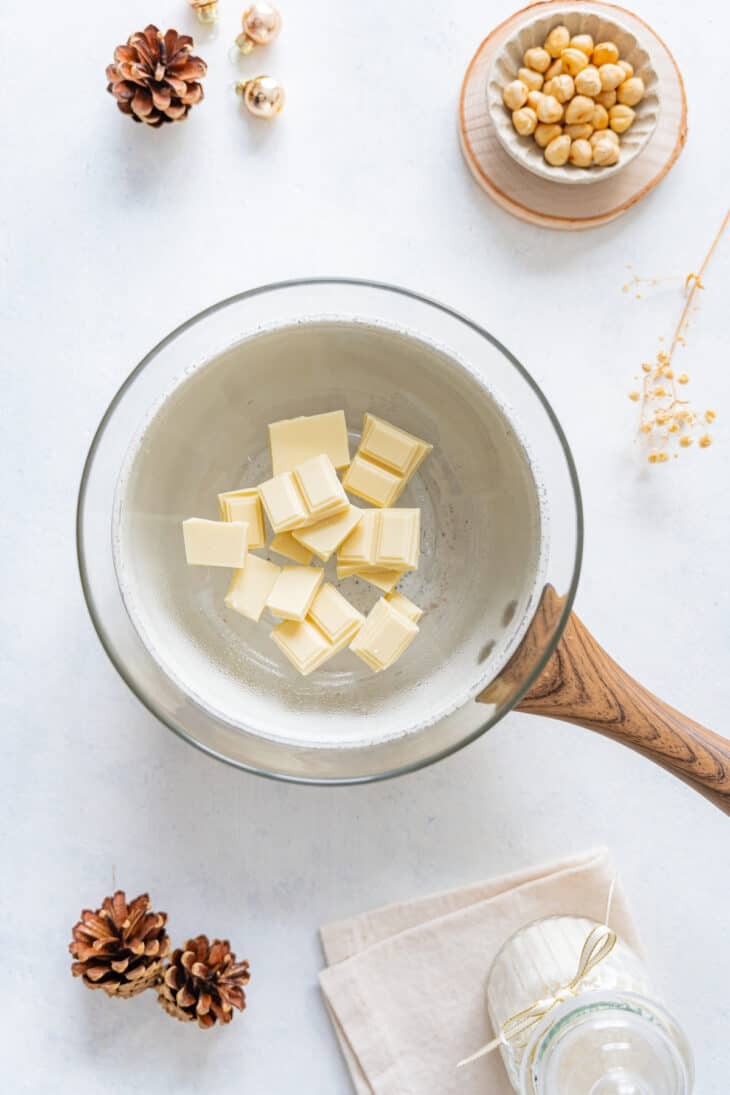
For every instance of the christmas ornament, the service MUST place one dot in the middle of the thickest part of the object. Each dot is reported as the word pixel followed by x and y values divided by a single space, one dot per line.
pixel 263 95
pixel 261 23
pixel 206 10
pixel 203 981
pixel 121 947
pixel 155 77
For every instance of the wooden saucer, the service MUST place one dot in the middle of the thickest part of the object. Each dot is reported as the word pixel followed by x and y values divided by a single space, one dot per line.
pixel 550 204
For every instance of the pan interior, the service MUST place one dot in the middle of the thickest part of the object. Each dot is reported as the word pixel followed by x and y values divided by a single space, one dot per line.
pixel 483 546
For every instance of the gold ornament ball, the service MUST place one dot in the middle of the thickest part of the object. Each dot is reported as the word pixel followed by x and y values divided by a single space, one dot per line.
pixel 206 10
pixel 263 95
pixel 261 24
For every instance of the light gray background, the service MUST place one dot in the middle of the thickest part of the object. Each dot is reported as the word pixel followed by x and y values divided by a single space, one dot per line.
pixel 112 235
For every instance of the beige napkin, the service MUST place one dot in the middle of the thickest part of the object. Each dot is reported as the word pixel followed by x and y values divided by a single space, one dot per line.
pixel 405 984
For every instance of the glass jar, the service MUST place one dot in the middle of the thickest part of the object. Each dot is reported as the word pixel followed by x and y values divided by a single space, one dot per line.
pixel 605 1036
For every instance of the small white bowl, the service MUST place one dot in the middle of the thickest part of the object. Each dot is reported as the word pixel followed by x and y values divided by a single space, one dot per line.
pixel 533 33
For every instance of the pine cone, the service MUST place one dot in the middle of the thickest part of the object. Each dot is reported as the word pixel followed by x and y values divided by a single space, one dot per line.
pixel 154 77
pixel 203 981
pixel 121 947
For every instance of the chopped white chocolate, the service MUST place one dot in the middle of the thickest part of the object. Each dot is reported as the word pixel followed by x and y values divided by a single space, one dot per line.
pixel 347 570
pixel 283 503
pixel 326 536
pixel 398 539
pixel 304 644
pixel 294 440
pixel 323 494
pixel 384 636
pixel 215 543
pixel 335 616
pixel 294 591
pixel 251 586
pixel 404 605
pixel 285 544
pixel 376 485
pixel 244 505
pixel 399 451
pixel 358 549
pixel 382 579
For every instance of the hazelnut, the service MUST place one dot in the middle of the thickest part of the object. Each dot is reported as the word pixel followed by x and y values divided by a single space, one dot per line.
pixel 525 121
pixel 631 91
pixel 549 109
pixel 579 110
pixel 557 152
pixel 537 59
pixel 611 77
pixel 600 117
pixel 532 80
pixel 574 61
pixel 584 43
pixel 561 87
pixel 606 98
pixel 605 53
pixel 515 94
pixel 605 153
pixel 603 135
pixel 628 69
pixel 588 82
pixel 533 99
pixel 544 134
pixel 581 153
pixel 621 118
pixel 579 132
pixel 555 69
pixel 557 40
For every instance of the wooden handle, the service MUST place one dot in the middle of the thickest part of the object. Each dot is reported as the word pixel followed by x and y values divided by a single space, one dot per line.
pixel 583 685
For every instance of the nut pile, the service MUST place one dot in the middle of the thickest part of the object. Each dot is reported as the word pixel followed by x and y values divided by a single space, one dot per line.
pixel 574 97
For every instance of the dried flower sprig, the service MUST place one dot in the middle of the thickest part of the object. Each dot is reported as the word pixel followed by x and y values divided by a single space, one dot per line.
pixel 665 417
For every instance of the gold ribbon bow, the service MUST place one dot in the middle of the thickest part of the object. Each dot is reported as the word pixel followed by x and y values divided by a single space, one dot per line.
pixel 518 1029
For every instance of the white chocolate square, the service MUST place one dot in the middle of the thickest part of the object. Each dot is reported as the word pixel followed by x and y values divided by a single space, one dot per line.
pixel 386 444
pixel 376 485
pixel 251 586
pixel 335 616
pixel 320 488
pixel 358 549
pixel 244 505
pixel 283 503
pixel 294 440
pixel 215 543
pixel 285 544
pixel 385 580
pixel 326 536
pixel 398 539
pixel 303 644
pixel 294 591
pixel 384 636
pixel 400 602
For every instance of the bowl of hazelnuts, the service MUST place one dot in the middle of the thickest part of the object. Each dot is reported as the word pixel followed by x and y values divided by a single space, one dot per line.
pixel 573 96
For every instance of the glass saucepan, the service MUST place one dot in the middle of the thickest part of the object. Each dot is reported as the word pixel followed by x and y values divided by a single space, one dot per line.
pixel 501 533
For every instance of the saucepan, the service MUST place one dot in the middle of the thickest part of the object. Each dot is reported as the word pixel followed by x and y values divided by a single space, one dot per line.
pixel 500 554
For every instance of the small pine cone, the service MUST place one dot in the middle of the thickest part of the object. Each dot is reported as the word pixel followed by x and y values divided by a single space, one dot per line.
pixel 121 947
pixel 154 77
pixel 203 981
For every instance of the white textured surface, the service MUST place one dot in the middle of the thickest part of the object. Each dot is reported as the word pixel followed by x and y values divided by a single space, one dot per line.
pixel 111 235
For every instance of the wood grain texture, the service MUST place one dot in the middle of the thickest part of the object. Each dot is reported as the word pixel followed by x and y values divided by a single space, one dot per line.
pixel 547 204
pixel 583 685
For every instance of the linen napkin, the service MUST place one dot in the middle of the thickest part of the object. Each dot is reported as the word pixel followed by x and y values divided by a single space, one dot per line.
pixel 405 984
